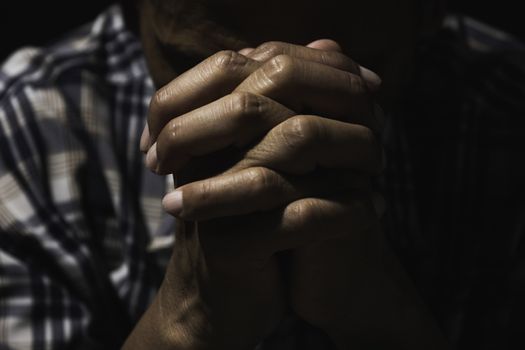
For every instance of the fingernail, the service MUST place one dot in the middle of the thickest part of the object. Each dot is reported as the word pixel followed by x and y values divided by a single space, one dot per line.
pixel 373 80
pixel 246 51
pixel 144 139
pixel 325 44
pixel 172 202
pixel 151 158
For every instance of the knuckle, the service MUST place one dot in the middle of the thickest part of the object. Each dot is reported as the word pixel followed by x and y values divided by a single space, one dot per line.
pixel 227 61
pixel 300 131
pixel 356 84
pixel 306 212
pixel 270 49
pixel 246 104
pixel 159 100
pixel 196 196
pixel 204 191
pixel 167 139
pixel 280 68
pixel 282 64
pixel 247 112
pixel 326 57
pixel 263 180
pixel 171 153
pixel 171 130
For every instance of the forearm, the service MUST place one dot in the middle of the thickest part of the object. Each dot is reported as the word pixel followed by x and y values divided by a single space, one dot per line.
pixel 209 303
pixel 183 325
pixel 157 329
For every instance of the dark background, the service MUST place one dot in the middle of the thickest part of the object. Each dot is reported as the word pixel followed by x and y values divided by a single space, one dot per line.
pixel 50 19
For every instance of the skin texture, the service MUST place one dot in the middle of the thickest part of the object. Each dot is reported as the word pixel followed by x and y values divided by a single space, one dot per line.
pixel 273 151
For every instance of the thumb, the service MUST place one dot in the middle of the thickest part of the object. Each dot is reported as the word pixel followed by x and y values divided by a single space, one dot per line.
pixel 325 44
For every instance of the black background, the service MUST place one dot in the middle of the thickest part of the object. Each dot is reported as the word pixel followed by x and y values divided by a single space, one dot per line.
pixel 36 22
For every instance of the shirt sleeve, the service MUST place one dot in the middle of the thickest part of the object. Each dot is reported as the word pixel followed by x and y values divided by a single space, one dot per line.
pixel 36 311
pixel 50 285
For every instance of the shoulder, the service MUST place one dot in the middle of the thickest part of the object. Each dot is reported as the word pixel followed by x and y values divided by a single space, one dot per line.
pixel 49 93
pixel 480 36
pixel 472 63
pixel 102 53
pixel 56 99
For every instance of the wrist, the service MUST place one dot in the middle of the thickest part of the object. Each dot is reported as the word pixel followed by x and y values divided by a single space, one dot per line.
pixel 189 316
pixel 151 332
pixel 183 317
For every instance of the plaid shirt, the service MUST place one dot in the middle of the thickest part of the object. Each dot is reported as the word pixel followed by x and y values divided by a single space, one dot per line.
pixel 84 241
pixel 82 232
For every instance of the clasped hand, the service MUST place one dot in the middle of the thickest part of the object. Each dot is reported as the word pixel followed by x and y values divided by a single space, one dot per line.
pixel 272 152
